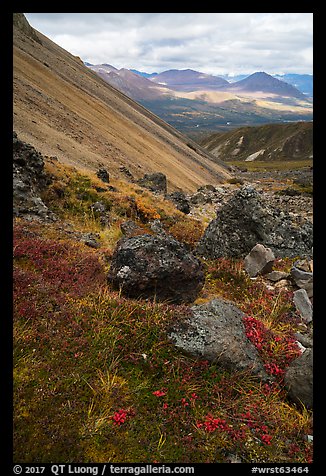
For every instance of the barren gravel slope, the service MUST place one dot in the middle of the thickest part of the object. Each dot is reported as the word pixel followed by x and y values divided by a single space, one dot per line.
pixel 65 110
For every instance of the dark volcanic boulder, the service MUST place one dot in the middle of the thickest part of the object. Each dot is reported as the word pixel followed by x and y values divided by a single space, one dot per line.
pixel 29 180
pixel 180 201
pixel 155 182
pixel 247 219
pixel 103 174
pixel 156 267
pixel 240 224
pixel 215 332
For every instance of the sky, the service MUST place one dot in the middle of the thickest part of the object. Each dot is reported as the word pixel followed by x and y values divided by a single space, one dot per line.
pixel 213 43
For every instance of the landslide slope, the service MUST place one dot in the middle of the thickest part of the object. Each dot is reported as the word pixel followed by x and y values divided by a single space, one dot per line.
pixel 292 141
pixel 66 110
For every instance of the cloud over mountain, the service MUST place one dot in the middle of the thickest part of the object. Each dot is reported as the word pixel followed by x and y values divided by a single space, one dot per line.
pixel 215 43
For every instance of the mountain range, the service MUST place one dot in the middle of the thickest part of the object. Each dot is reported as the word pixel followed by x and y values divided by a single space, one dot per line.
pixel 188 80
pixel 66 110
pixel 191 100
pixel 303 82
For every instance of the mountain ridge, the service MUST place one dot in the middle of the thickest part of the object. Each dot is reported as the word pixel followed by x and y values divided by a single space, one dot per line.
pixel 188 80
pixel 270 142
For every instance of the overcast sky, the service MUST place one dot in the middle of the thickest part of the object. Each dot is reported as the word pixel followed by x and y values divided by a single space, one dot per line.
pixel 216 43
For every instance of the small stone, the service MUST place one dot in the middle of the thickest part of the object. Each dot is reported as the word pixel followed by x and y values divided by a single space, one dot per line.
pixel 276 276
pixel 301 347
pixel 303 304
pixel 98 207
pixel 180 201
pixel 259 261
pixel 303 279
pixel 282 284
pixel 155 182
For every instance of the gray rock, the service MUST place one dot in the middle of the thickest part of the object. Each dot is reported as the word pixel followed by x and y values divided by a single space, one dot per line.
pixel 98 207
pixel 91 239
pixel 130 228
pixel 156 267
pixel 298 379
pixel 215 332
pixel 276 276
pixel 157 228
pixel 207 188
pixel 303 304
pixel 201 197
pixel 303 279
pixel 259 261
pixel 305 340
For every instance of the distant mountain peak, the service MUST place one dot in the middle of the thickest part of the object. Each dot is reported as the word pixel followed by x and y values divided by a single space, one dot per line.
pixel 261 81
pixel 261 74
pixel 189 80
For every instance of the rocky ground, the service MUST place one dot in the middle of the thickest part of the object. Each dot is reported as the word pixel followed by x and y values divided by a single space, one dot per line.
pixel 285 190
pixel 85 246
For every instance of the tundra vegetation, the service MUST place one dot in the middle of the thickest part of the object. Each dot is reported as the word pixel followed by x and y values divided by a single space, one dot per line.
pixel 95 377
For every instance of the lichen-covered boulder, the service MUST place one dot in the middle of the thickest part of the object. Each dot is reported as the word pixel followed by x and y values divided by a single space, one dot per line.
pixel 215 331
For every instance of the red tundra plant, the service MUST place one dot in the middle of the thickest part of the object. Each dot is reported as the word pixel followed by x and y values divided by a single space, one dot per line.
pixel 276 351
pixel 159 393
pixel 67 266
pixel 211 424
pixel 120 416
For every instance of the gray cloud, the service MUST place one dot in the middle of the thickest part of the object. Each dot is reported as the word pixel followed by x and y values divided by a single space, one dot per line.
pixel 215 43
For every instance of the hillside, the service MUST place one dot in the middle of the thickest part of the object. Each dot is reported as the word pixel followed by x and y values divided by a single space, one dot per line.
pixel 130 83
pixel 303 82
pixel 66 110
pixel 282 142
